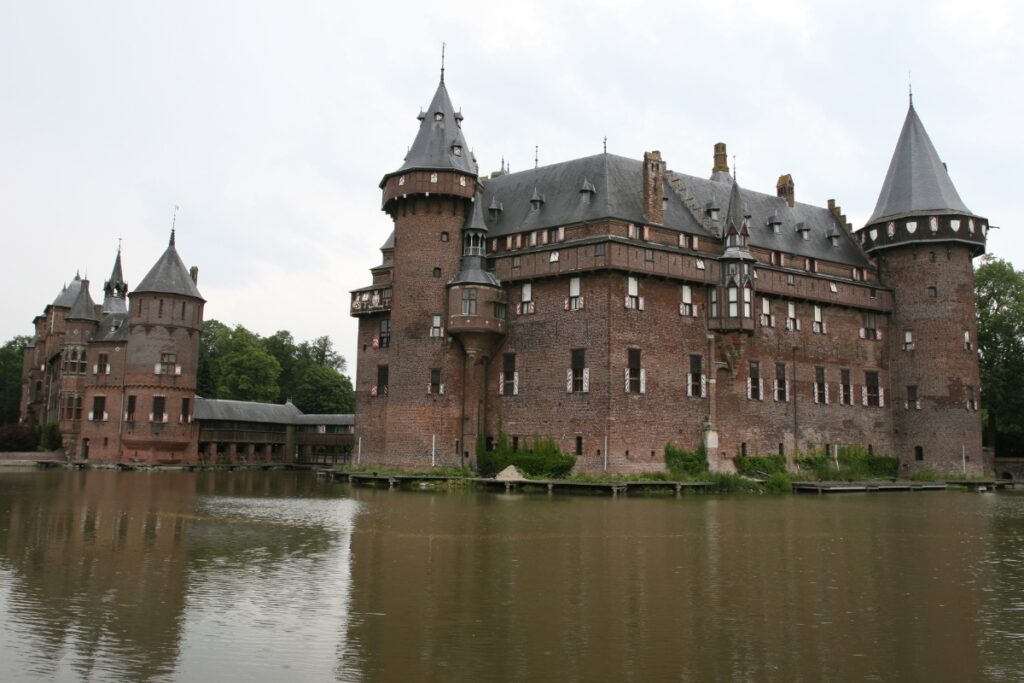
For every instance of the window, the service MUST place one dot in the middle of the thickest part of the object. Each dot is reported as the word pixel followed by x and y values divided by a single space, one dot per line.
pixel 435 386
pixel 444 235
pixel 845 388
pixel 732 295
pixel 810 265
pixel 686 305
pixel 748 297
pixel 553 258
pixel 469 301
pixel 696 383
pixel 129 411
pixel 649 255
pixel 635 379
pixel 908 340
pixel 933 292
pixel 633 300
pixel 714 302
pixel 869 331
pixel 526 298
pixel 820 387
pixel 791 280
pixel 872 391
pixel 99 409
pixel 159 413
pixel 575 301
pixel 508 379
pixel 437 272
pixel 102 366
pixel 972 400
pixel 967 341
pixel 754 388
pixel 385 333
pixel 599 249
pixel 781 383
pixel 500 310
pixel 74 362
pixel 160 309
pixel 767 319
pixel 818 326
pixel 918 452
pixel 167 364
pixel 436 330
pixel 578 375
pixel 913 403
pixel 78 408
pixel 579 445
pixel 699 263
pixel 433 176
pixel 381 388
pixel 792 323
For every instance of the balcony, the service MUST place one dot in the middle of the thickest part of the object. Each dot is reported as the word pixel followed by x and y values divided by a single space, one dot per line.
pixel 371 300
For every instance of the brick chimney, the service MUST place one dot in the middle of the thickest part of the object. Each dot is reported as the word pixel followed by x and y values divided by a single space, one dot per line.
pixel 784 189
pixel 721 159
pixel 194 274
pixel 654 187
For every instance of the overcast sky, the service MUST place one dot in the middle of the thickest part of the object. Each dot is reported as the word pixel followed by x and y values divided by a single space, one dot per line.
pixel 271 124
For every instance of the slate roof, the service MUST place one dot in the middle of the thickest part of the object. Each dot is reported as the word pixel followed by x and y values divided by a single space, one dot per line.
pixel 84 307
pixel 433 146
pixel 169 276
pixel 618 193
pixel 67 296
pixel 113 327
pixel 473 269
pixel 917 181
pixel 245 411
pixel 818 221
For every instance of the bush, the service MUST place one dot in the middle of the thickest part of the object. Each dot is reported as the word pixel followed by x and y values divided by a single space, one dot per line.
pixel 539 458
pixel 733 483
pixel 778 482
pixel 854 463
pixel 761 465
pixel 17 438
pixel 48 436
pixel 686 464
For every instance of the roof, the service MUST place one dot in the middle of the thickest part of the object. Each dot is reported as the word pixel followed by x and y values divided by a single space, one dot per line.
pixel 434 145
pixel 245 411
pixel 332 419
pixel 169 276
pixel 113 327
pixel 84 307
pixel 67 296
pixel 473 268
pixel 917 181
pixel 617 184
pixel 819 222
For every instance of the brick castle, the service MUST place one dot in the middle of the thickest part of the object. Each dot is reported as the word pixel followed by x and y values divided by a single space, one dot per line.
pixel 617 306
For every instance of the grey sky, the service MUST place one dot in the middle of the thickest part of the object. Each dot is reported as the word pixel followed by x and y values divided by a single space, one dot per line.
pixel 271 124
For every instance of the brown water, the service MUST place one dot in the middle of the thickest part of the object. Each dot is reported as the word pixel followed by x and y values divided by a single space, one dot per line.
pixel 279 576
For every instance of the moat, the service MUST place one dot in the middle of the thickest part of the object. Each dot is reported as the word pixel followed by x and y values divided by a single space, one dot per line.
pixel 267 576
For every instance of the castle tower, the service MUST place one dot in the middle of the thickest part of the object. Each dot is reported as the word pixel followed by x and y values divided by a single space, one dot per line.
pixel 115 290
pixel 410 371
pixel 164 322
pixel 80 325
pixel 924 239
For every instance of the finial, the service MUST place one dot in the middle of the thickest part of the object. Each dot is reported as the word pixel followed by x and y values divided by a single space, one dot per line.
pixel 174 222
pixel 443 46
pixel 536 156
pixel 910 89
pixel 735 169
pixel 605 142
pixel 118 246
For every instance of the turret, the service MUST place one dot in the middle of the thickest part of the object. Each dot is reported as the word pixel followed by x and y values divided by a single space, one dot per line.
pixel 732 299
pixel 924 239
pixel 115 290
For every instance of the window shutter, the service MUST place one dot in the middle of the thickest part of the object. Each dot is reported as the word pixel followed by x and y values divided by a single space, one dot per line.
pixel 878 335
pixel 586 380
pixel 647 233
pixel 580 306
pixel 775 393
pixel 568 381
pixel 760 389
pixel 376 343
pixel 561 234
pixel 627 380
pixel 519 309
pixel 689 384
pixel 787 391
pixel 771 321
pixel 640 300
pixel 816 392
pixel 789 323
pixel 682 308
pixel 881 397
pixel 565 304
pixel 643 380
pixel 373 392
pixel 824 328
pixel 863 333
pixel 428 387
pixel 750 386
pixel 501 384
pixel 864 396
pixel 515 383
pixel 106 415
pixel 95 369
pixel 628 302
pixel 441 389
pixel 107 371
pixel 798 324
pixel 156 369
pixel 90 414
pixel 694 310
pixel 826 393
pixel 703 386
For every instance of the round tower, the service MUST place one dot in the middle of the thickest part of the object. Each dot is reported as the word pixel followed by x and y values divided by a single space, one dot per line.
pixel 924 239
pixel 410 374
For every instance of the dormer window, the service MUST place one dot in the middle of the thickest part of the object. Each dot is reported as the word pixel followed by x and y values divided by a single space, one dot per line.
pixel 536 200
pixel 732 240
pixel 495 208
pixel 711 210
pixel 438 116
pixel 457 150
pixel 834 239
pixel 401 180
pixel 775 224
pixel 804 231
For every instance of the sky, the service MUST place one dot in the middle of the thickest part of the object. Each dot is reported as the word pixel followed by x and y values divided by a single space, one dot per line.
pixel 271 124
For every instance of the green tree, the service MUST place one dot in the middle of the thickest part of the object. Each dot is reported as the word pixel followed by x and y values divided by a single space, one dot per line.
pixel 999 292
pixel 324 390
pixel 321 352
pixel 213 340
pixel 11 356
pixel 246 371
pixel 281 345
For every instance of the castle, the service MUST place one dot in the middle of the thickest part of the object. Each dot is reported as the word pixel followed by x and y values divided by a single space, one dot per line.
pixel 617 306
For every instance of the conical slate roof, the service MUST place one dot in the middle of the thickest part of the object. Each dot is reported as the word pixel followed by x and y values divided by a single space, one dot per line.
pixel 917 181
pixel 84 308
pixel 67 296
pixel 169 276
pixel 434 146
pixel 115 289
pixel 473 268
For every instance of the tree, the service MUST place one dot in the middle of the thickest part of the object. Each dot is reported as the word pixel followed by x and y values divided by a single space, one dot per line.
pixel 213 339
pixel 247 372
pixel 999 293
pixel 321 351
pixel 324 390
pixel 11 356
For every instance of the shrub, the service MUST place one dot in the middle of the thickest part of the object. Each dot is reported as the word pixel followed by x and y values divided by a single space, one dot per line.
pixel 761 465
pixel 48 436
pixel 778 482
pixel 733 483
pixel 685 464
pixel 14 438
pixel 539 458
pixel 854 463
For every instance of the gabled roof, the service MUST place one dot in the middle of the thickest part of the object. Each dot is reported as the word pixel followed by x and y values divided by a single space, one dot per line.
pixel 434 145
pixel 169 276
pixel 67 296
pixel 245 411
pixel 84 308
pixel 113 327
pixel 917 181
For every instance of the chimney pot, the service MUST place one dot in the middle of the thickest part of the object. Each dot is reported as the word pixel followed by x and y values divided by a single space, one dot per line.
pixel 194 273
pixel 653 184
pixel 784 188
pixel 721 159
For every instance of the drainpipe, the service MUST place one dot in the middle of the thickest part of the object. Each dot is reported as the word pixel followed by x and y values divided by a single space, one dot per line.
pixel 796 419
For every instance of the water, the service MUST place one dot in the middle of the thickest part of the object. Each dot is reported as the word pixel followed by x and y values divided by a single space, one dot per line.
pixel 275 576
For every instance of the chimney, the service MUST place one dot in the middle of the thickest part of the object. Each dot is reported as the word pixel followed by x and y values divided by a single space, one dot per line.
pixel 194 273
pixel 784 189
pixel 721 159
pixel 654 187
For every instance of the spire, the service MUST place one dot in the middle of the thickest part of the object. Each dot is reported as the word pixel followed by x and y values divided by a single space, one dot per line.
pixel 115 289
pixel 734 216
pixel 169 276
pixel 69 293
pixel 917 180
pixel 439 144
pixel 473 265
pixel 83 308
pixel 443 46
